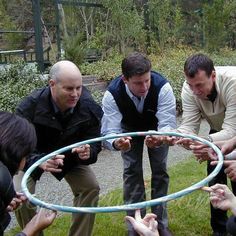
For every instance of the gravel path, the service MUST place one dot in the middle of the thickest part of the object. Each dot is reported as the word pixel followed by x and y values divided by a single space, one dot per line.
pixel 108 170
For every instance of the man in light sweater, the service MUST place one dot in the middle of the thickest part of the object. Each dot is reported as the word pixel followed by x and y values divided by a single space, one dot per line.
pixel 209 93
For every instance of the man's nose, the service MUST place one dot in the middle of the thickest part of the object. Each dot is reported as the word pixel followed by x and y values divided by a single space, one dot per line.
pixel 74 93
pixel 144 86
pixel 195 90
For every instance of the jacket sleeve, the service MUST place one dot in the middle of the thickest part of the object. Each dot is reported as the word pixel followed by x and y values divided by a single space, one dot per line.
pixel 26 109
pixel 191 118
pixel 7 192
pixel 228 86
pixel 93 131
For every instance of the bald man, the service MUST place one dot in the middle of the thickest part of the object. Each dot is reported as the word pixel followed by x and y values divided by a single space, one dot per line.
pixel 64 113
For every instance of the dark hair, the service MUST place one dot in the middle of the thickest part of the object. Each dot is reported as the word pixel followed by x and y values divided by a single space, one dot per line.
pixel 17 140
pixel 135 64
pixel 198 62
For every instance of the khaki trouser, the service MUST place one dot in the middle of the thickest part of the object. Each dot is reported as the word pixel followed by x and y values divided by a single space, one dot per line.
pixel 85 189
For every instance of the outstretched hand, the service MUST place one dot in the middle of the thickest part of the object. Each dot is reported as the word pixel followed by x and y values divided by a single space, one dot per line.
pixel 153 141
pixel 221 197
pixel 146 226
pixel 53 165
pixel 123 143
pixel 82 151
pixel 39 222
pixel 16 201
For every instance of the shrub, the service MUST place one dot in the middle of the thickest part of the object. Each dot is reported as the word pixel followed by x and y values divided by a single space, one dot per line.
pixel 16 82
pixel 75 48
pixel 105 70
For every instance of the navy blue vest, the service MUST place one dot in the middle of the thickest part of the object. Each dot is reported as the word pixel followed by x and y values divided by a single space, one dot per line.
pixel 132 120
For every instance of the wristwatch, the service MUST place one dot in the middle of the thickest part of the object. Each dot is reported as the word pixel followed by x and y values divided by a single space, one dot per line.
pixel 209 138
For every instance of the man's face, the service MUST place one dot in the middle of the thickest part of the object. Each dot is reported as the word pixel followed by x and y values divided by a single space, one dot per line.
pixel 139 84
pixel 201 84
pixel 66 91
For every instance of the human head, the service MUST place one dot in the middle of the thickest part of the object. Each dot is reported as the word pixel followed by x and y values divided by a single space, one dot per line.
pixel 17 140
pixel 65 84
pixel 136 70
pixel 200 75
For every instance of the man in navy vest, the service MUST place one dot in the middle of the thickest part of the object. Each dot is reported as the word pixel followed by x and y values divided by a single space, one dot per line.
pixel 140 100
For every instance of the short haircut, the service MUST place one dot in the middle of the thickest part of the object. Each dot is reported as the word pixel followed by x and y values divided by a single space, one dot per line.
pixel 17 140
pixel 135 64
pixel 198 62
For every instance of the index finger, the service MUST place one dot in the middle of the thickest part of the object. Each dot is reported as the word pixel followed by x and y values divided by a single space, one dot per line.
pixel 207 189
pixel 183 141
pixel 59 157
pixel 138 215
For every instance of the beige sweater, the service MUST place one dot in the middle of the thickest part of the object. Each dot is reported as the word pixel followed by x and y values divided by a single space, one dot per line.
pixel 221 115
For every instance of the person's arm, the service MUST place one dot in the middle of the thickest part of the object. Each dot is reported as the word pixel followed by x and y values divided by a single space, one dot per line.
pixel 7 192
pixel 166 109
pixel 228 146
pixel 87 154
pixel 191 117
pixel 228 94
pixel 111 120
pixel 166 115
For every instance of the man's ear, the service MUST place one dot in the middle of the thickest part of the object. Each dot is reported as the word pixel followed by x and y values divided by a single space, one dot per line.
pixel 213 75
pixel 124 79
pixel 51 82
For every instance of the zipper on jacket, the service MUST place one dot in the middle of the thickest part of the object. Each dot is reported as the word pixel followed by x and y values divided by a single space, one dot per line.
pixel 213 107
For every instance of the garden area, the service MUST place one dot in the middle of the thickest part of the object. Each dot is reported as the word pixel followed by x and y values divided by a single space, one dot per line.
pixel 167 31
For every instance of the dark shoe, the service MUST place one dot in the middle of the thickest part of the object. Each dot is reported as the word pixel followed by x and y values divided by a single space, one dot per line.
pixel 219 234
pixel 165 232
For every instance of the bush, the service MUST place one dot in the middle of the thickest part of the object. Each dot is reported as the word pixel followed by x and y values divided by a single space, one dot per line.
pixel 16 82
pixel 105 70
pixel 75 49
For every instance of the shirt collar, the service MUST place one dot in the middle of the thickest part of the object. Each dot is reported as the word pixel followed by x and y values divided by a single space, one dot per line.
pixel 131 95
pixel 57 110
pixel 212 96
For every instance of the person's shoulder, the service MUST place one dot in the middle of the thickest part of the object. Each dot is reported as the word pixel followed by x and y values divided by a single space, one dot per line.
pixel 115 82
pixel 29 102
pixel 225 77
pixel 5 178
pixel 226 72
pixel 186 91
pixel 35 95
pixel 156 74
pixel 88 103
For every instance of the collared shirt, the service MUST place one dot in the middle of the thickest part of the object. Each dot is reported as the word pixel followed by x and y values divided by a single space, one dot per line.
pixel 57 110
pixel 138 102
pixel 166 112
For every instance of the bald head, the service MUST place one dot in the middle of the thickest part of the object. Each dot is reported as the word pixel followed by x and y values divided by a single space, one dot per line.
pixel 65 84
pixel 63 69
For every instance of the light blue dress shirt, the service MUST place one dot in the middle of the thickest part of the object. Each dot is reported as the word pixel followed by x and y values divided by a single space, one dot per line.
pixel 166 112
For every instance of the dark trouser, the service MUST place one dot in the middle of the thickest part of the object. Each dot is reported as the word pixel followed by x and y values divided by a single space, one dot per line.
pixel 134 189
pixel 219 217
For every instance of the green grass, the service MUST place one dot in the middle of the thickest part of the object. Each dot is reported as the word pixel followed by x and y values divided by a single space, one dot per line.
pixel 188 215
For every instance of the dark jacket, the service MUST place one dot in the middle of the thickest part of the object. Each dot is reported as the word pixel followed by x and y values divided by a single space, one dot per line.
pixel 7 193
pixel 54 132
pixel 132 120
